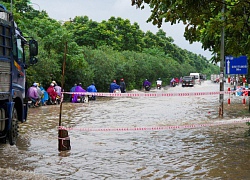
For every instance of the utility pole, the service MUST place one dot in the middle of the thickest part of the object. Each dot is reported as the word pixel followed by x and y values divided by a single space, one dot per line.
pixel 222 61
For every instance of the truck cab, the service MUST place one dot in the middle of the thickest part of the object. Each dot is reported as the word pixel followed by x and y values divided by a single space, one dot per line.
pixel 13 108
pixel 197 77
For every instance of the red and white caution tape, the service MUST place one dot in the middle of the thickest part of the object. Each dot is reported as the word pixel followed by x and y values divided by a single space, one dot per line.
pixel 155 128
pixel 149 94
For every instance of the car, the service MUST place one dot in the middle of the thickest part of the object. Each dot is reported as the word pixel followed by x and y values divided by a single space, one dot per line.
pixel 188 81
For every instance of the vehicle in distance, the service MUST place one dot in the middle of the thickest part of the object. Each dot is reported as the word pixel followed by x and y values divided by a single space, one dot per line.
pixel 188 81
pixel 197 77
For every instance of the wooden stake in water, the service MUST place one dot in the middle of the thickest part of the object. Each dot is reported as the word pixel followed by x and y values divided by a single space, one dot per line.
pixel 63 135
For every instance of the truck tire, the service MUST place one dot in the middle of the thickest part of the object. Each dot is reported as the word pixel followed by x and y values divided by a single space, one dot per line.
pixel 2 124
pixel 13 132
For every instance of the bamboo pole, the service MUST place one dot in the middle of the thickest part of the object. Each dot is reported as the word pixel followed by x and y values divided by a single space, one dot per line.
pixel 63 135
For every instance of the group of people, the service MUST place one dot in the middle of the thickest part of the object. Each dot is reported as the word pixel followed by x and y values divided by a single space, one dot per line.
pixel 54 92
pixel 113 88
pixel 80 92
pixel 147 84
pixel 173 82
pixel 38 95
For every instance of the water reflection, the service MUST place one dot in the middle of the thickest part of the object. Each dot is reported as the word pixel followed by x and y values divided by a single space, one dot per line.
pixel 218 152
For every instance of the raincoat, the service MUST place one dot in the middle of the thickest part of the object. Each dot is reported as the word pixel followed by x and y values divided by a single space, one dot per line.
pixel 45 96
pixel 113 86
pixel 52 93
pixel 92 88
pixel 146 83
pixel 78 89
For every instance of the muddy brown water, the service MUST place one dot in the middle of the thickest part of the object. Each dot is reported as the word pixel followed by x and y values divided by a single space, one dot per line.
pixel 212 152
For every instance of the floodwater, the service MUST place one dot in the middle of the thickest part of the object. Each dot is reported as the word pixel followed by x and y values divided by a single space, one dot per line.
pixel 209 152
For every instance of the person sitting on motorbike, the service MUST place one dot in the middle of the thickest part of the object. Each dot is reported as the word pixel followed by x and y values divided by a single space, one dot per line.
pixel 172 83
pixel 146 85
pixel 92 88
pixel 158 83
pixel 80 90
pixel 45 96
pixel 177 80
pixel 72 90
pixel 52 93
pixel 113 86
pixel 39 91
pixel 58 90
pixel 33 94
pixel 122 86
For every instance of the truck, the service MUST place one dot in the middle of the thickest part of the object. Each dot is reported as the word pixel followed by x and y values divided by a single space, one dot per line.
pixel 215 78
pixel 197 77
pixel 13 85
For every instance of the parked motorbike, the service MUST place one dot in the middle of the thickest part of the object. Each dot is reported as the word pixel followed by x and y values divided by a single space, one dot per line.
pixel 117 91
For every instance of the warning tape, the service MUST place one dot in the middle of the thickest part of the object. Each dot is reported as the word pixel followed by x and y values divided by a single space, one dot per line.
pixel 150 94
pixel 154 128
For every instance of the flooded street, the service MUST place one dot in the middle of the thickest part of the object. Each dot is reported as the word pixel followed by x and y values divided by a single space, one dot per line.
pixel 209 152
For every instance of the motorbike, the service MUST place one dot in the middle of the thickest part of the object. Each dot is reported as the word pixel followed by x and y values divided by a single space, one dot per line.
pixel 82 99
pixel 57 101
pixel 117 91
pixel 158 86
pixel 31 103
pixel 147 88
pixel 91 98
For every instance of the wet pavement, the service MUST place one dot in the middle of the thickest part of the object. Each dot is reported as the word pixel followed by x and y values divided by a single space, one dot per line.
pixel 209 152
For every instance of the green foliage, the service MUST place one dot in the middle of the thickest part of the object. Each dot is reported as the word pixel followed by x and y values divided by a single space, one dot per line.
pixel 204 21
pixel 101 52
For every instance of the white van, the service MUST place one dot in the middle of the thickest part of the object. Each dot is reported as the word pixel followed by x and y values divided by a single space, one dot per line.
pixel 197 77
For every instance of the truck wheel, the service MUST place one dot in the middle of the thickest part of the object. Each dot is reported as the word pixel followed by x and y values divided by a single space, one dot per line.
pixel 2 117
pixel 2 123
pixel 13 132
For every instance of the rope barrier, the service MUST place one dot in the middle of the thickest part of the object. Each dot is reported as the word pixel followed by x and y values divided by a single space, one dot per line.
pixel 149 94
pixel 154 128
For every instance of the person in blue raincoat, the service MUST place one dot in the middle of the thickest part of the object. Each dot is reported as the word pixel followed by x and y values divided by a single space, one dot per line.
pixel 45 96
pixel 78 89
pixel 92 88
pixel 113 86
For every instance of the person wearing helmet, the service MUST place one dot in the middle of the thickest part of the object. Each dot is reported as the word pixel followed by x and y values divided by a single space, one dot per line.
pixel 45 96
pixel 93 89
pixel 54 82
pixel 72 90
pixel 147 85
pixel 52 93
pixel 58 90
pixel 40 93
pixel 80 94
pixel 158 83
pixel 122 86
pixel 113 86
pixel 33 94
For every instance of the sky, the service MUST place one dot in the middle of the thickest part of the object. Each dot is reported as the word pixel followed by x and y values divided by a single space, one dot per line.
pixel 98 10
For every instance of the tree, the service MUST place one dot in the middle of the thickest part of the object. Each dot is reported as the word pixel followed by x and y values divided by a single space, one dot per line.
pixel 203 22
